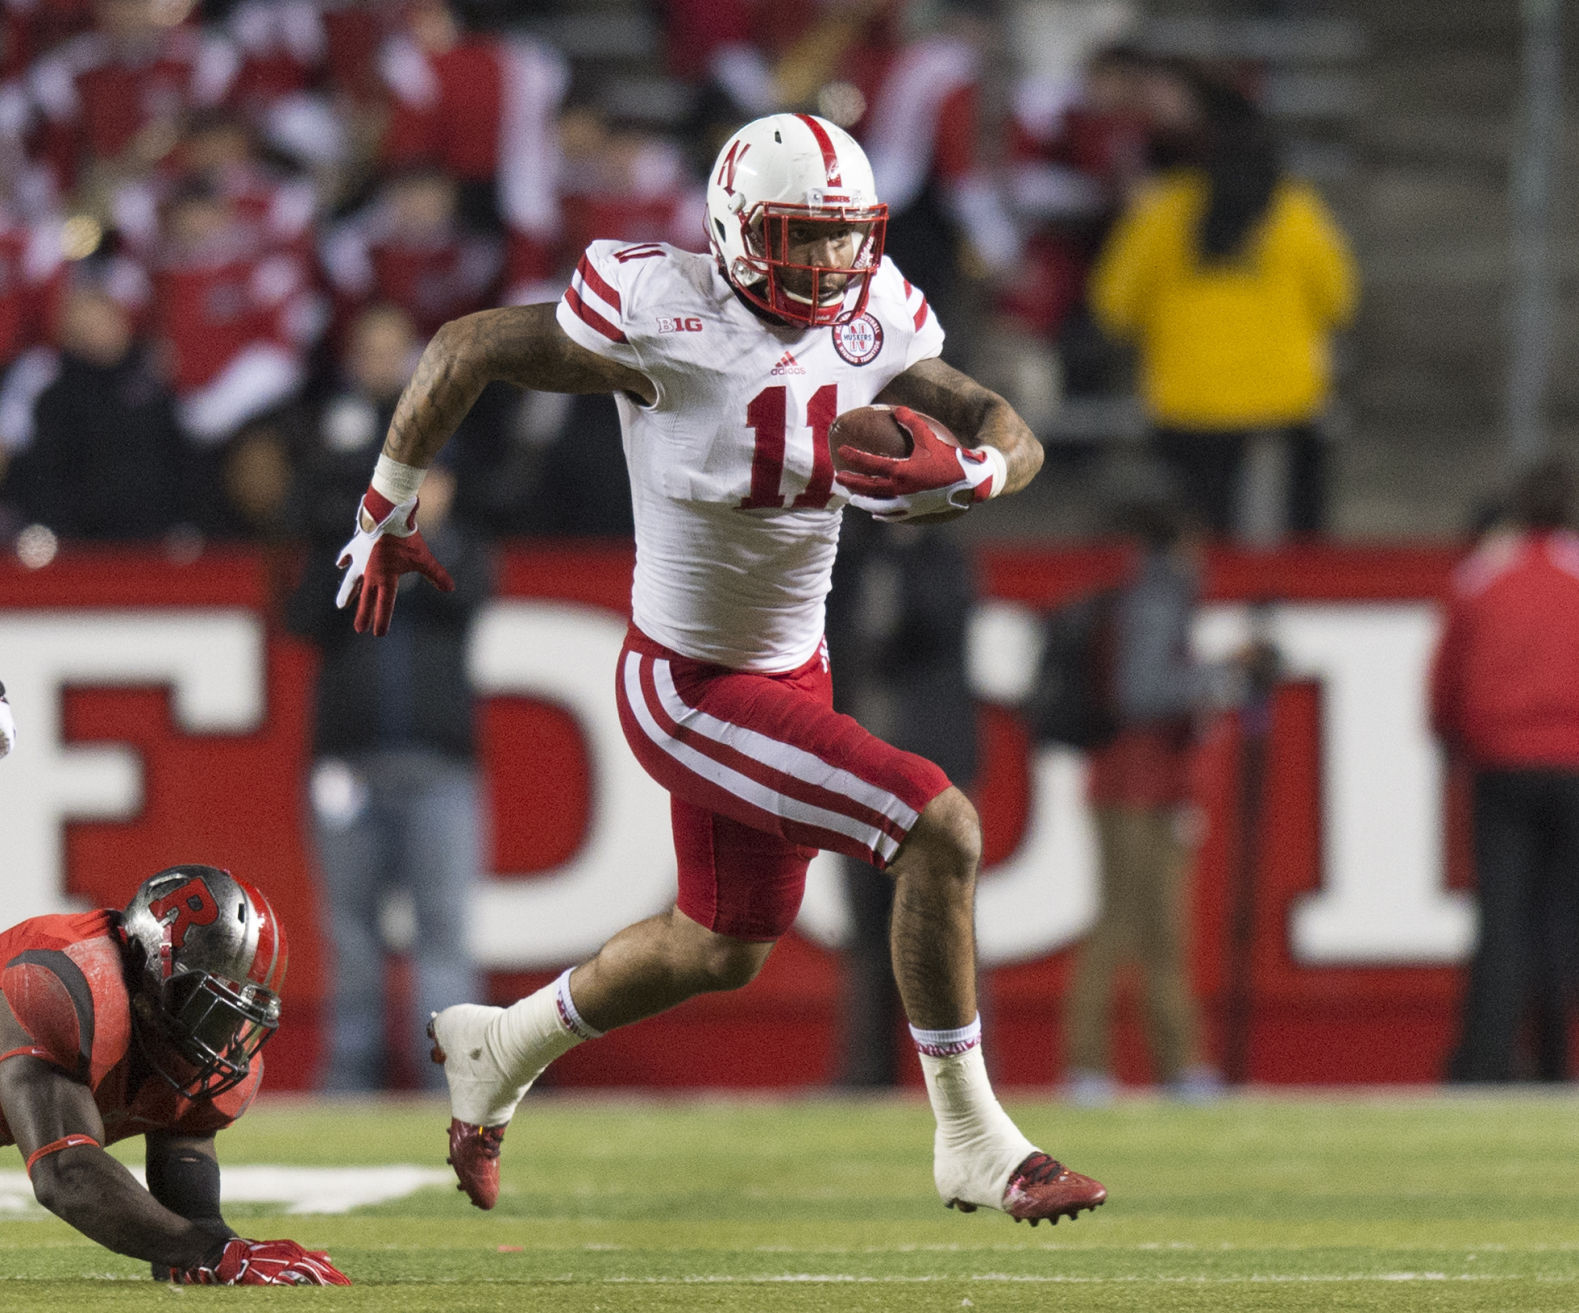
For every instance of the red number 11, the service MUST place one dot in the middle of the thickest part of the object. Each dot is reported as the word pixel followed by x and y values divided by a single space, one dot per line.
pixel 766 417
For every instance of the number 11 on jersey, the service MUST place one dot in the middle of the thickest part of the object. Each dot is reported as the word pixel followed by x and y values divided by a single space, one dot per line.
pixel 767 417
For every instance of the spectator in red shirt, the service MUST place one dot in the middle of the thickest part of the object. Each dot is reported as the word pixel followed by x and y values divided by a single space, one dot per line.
pixel 31 277
pixel 923 131
pixel 482 109
pixel 113 98
pixel 411 248
pixel 1075 152
pixel 219 149
pixel 234 317
pixel 624 182
pixel 1505 703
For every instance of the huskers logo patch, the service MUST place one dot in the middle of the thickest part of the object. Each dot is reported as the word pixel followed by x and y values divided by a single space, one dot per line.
pixel 858 341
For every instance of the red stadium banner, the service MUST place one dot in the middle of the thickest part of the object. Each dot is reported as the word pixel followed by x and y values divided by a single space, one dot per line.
pixel 164 718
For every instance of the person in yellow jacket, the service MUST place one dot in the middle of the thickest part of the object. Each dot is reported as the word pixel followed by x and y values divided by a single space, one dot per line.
pixel 1230 278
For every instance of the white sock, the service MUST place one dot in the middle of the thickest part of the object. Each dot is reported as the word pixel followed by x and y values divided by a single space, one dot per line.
pixel 977 1145
pixel 529 1034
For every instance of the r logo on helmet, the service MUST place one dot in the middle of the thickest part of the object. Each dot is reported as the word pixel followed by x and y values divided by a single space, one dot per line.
pixel 192 904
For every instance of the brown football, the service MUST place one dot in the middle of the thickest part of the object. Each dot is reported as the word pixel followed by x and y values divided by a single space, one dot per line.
pixel 874 429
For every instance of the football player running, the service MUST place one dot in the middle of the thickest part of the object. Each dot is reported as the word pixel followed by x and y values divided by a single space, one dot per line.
pixel 727 370
pixel 146 1022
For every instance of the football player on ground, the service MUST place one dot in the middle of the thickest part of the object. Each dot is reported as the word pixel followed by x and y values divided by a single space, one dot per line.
pixel 727 369
pixel 146 1022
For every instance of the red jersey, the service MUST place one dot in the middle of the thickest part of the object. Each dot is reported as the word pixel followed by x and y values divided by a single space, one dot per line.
pixel 211 306
pixel 433 277
pixel 97 95
pixel 1505 681
pixel 31 279
pixel 64 978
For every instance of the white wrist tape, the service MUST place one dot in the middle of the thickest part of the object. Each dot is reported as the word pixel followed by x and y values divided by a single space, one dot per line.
pixel 398 482
pixel 999 467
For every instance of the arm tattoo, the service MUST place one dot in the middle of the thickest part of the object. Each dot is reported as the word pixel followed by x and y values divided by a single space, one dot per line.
pixel 977 415
pixel 523 345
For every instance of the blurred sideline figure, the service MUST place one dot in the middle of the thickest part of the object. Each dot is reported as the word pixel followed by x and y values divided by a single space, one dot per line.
pixel 897 620
pixel 1139 784
pixel 1075 155
pixel 727 370
pixel 146 1022
pixel 1505 704
pixel 395 795
pixel 98 450
pixel 1230 278
pixel 7 724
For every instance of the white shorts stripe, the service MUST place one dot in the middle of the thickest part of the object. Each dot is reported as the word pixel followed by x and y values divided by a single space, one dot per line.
pixel 781 756
pixel 732 781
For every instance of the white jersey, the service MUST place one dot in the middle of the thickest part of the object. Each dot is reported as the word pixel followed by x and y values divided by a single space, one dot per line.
pixel 736 511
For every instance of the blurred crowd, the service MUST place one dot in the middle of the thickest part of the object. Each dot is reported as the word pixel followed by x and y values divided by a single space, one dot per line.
pixel 226 228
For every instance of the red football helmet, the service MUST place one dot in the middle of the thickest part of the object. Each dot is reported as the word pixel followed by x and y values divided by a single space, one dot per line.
pixel 208 960
pixel 789 183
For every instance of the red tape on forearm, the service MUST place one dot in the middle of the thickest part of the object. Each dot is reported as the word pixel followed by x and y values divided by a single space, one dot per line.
pixel 55 1146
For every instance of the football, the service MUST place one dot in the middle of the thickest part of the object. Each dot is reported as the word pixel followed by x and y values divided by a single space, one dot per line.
pixel 874 429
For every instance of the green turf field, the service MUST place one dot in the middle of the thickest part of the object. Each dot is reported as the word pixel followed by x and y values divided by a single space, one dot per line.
pixel 1330 1203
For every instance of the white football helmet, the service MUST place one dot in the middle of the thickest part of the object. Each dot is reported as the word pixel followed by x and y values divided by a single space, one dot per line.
pixel 795 169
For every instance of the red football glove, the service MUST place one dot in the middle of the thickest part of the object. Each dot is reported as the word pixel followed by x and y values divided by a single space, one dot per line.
pixel 375 559
pixel 935 476
pixel 265 1263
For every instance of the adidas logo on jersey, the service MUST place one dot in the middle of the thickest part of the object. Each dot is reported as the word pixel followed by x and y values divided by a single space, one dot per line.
pixel 787 365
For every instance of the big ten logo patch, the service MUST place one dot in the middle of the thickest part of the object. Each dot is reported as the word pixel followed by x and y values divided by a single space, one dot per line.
pixel 688 324
pixel 858 341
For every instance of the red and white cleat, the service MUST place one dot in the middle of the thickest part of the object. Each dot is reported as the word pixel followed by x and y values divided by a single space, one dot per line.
pixel 474 1154
pixel 1042 1187
pixel 481 1099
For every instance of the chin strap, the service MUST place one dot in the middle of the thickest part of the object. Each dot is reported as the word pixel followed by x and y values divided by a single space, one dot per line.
pixel 55 1146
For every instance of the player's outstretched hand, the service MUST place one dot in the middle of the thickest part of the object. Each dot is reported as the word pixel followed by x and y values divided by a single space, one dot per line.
pixel 375 559
pixel 7 725
pixel 265 1263
pixel 936 476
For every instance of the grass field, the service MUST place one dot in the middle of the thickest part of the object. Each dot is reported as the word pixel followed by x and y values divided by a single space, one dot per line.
pixel 1330 1203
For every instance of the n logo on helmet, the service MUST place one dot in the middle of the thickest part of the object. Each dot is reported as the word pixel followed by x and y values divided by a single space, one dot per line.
pixel 729 164
pixel 192 904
